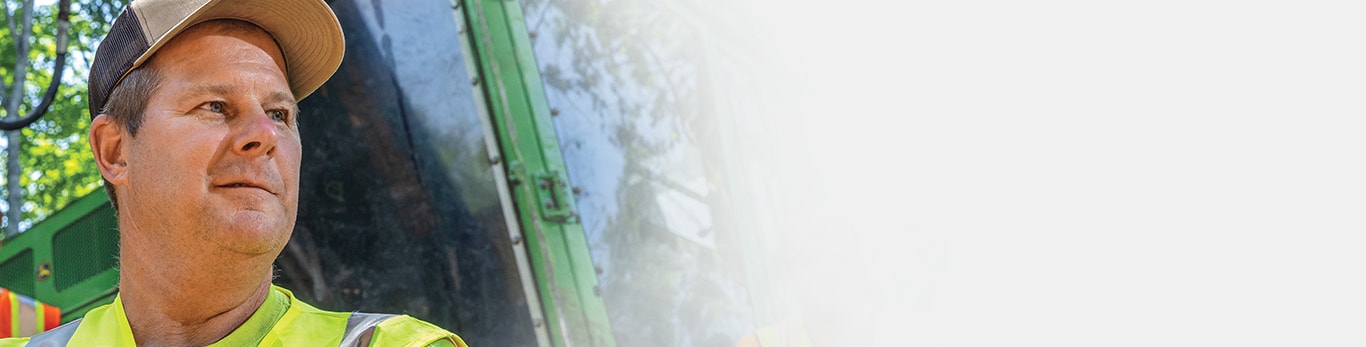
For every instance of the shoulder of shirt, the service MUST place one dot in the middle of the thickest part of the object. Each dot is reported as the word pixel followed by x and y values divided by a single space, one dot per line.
pixel 399 330
pixel 404 330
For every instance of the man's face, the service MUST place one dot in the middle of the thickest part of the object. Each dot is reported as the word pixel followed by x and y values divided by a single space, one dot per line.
pixel 214 167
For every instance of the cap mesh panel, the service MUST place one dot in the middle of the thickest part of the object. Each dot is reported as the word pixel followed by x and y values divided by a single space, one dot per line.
pixel 115 56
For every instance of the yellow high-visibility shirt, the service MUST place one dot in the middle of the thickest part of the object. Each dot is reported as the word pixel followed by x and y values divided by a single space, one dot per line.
pixel 282 320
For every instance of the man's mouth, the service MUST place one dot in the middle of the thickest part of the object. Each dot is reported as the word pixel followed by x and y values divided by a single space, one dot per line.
pixel 245 185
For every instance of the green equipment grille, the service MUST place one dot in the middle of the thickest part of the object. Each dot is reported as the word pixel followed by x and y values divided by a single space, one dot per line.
pixel 84 249
pixel 69 260
pixel 16 273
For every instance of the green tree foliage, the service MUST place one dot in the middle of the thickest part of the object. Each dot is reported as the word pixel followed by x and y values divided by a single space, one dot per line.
pixel 57 164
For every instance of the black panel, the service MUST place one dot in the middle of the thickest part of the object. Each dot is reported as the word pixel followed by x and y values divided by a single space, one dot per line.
pixel 398 210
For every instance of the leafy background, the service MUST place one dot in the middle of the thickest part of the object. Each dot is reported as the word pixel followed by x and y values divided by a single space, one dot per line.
pixel 57 164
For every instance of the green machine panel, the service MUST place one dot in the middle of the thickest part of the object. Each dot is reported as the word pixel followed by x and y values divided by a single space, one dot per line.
pixel 69 260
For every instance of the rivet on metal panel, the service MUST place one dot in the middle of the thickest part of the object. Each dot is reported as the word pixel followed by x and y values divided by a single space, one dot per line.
pixel 474 81
pixel 538 322
pixel 532 35
pixel 554 112
pixel 597 269
pixel 578 190
pixel 516 240
pixel 461 30
pixel 495 160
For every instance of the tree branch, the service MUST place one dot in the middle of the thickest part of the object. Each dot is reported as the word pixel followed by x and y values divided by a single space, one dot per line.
pixel 59 62
pixel 9 20
pixel 21 37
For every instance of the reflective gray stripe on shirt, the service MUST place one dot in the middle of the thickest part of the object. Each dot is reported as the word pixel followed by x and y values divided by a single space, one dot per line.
pixel 57 337
pixel 359 325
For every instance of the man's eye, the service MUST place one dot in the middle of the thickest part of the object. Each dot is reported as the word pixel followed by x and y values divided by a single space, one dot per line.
pixel 277 115
pixel 215 106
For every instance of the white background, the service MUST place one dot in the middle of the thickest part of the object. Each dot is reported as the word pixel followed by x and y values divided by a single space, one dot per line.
pixel 1080 173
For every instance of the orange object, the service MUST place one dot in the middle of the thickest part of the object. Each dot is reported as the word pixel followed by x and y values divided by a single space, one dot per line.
pixel 23 316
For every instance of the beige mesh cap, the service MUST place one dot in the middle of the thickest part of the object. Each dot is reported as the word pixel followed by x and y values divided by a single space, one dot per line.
pixel 306 30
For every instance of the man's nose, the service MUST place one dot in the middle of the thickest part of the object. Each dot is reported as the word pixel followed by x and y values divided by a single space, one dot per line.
pixel 255 135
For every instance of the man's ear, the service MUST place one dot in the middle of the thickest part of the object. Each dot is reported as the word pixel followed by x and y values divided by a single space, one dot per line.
pixel 107 141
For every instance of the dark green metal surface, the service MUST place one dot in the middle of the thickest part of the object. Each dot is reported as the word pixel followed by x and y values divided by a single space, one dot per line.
pixel 564 273
pixel 68 260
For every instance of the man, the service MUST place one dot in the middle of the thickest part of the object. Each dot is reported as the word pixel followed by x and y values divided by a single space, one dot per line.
pixel 196 137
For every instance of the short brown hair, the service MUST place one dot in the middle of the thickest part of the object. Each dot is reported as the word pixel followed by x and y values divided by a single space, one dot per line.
pixel 127 104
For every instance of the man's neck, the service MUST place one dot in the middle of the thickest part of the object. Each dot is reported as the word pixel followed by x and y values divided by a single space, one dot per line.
pixel 181 304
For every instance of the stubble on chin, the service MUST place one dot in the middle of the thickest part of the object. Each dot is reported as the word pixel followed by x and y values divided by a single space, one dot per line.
pixel 249 231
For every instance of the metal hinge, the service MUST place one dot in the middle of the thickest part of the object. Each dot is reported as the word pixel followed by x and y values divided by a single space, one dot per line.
pixel 553 195
pixel 555 198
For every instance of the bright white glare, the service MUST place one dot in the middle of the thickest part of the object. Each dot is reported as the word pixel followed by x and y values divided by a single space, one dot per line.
pixel 1071 173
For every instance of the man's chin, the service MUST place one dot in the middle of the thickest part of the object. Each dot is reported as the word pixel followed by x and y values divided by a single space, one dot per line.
pixel 253 233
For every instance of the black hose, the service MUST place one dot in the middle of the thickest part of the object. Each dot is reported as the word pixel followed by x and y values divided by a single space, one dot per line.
pixel 63 24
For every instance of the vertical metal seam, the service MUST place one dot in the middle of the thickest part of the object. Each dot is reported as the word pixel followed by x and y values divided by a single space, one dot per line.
pixel 511 129
pixel 497 167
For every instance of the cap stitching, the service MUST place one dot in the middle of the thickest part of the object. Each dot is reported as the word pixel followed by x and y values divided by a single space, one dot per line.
pixel 146 32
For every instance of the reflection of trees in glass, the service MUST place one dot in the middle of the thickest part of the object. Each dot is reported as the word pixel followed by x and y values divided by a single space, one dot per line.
pixel 624 77
pixel 57 164
pixel 396 209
